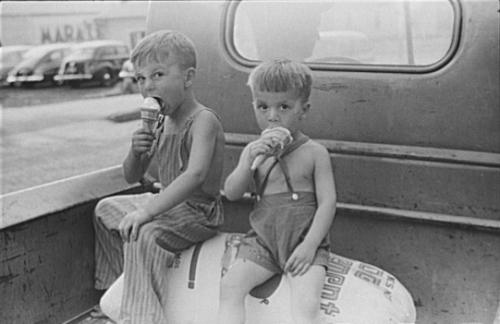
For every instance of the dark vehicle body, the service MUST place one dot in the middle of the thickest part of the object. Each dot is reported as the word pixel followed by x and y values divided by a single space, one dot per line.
pixel 414 140
pixel 40 65
pixel 10 56
pixel 94 61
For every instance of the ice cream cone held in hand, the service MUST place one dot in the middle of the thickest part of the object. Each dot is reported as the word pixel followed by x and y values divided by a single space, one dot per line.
pixel 280 137
pixel 150 109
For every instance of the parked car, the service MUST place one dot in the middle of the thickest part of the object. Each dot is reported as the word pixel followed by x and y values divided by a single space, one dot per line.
pixel 40 64
pixel 127 77
pixel 10 56
pixel 93 61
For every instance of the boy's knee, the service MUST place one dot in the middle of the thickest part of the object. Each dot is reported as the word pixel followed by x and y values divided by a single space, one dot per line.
pixel 101 207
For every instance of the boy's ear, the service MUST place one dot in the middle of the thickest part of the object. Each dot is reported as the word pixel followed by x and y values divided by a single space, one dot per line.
pixel 189 77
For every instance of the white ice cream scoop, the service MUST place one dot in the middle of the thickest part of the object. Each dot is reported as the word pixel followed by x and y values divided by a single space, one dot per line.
pixel 280 137
pixel 150 109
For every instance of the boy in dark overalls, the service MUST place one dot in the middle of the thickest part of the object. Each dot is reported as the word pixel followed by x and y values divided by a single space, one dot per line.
pixel 295 198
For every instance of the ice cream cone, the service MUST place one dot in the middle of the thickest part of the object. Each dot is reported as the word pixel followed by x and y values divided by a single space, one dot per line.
pixel 150 109
pixel 280 136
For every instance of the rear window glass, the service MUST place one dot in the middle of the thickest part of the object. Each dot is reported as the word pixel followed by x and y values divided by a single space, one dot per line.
pixel 106 52
pixel 83 52
pixel 339 32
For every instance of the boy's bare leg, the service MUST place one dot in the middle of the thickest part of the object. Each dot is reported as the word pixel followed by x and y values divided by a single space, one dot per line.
pixel 243 275
pixel 305 295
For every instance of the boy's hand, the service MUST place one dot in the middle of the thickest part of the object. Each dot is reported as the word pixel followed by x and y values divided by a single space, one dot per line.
pixel 142 140
pixel 261 146
pixel 131 223
pixel 301 259
pixel 272 142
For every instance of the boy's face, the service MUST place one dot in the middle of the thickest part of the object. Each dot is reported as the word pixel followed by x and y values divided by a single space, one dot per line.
pixel 163 80
pixel 283 109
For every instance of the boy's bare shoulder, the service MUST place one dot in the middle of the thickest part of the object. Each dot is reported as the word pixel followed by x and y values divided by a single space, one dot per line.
pixel 207 115
pixel 313 147
pixel 311 152
pixel 308 155
pixel 207 121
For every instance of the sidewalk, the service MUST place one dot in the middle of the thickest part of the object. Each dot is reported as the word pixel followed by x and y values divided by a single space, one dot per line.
pixel 12 97
pixel 45 143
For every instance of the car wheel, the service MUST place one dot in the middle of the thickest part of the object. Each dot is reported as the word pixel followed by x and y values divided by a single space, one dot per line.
pixel 53 82
pixel 107 78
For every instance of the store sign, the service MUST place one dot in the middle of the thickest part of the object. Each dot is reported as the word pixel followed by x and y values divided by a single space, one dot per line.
pixel 70 32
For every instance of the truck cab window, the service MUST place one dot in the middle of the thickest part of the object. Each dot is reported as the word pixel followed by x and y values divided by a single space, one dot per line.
pixel 394 33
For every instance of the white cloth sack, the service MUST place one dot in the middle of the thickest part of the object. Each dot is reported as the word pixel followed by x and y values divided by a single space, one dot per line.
pixel 354 292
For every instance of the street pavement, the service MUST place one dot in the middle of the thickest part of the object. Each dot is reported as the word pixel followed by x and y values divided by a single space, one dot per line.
pixel 45 143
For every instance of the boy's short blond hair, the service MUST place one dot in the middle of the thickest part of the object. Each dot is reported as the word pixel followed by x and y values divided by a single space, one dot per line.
pixel 160 45
pixel 282 75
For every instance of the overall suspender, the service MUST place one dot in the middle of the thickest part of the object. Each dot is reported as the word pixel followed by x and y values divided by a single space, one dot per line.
pixel 261 187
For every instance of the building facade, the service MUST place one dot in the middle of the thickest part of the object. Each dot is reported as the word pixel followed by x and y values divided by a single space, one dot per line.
pixel 44 22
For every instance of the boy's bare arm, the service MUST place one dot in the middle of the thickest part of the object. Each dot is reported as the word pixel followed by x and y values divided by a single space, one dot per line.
pixel 136 162
pixel 205 130
pixel 238 181
pixel 326 198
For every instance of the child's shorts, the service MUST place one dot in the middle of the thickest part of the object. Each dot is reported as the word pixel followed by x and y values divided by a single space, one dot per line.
pixel 253 249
